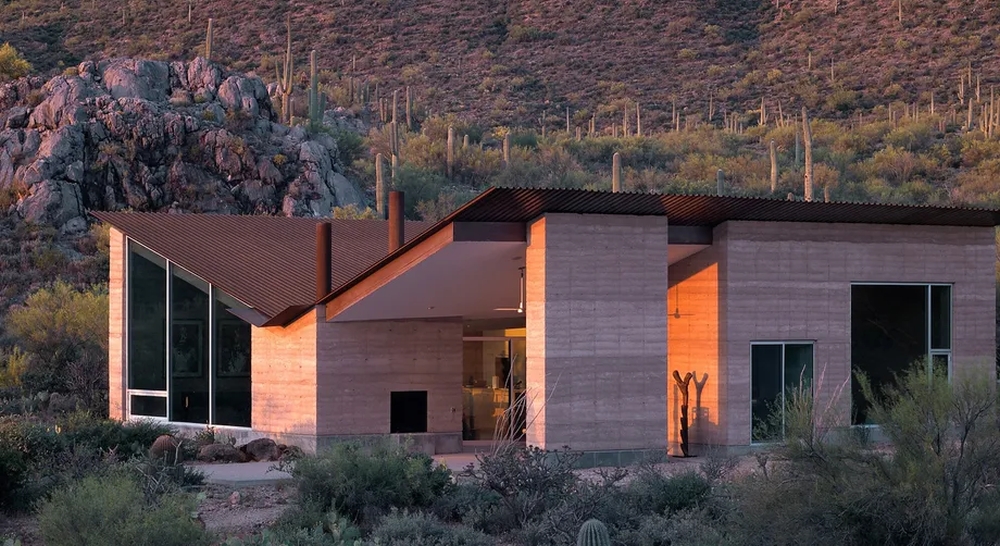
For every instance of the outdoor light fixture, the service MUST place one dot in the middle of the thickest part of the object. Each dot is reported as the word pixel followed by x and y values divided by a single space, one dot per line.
pixel 520 304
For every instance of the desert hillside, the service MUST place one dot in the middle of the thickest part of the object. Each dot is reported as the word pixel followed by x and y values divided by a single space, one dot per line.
pixel 512 62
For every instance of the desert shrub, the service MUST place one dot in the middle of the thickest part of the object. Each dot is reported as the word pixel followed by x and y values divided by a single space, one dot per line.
pixel 934 486
pixel 662 494
pixel 362 482
pixel 127 440
pixel 66 332
pixel 419 529
pixel 350 145
pixel 13 473
pixel 99 511
pixel 464 501
pixel 529 481
pixel 12 64
pixel 305 526
pixel 419 184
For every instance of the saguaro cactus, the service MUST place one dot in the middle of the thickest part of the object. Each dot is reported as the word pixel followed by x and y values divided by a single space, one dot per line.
pixel 638 120
pixel 317 101
pixel 451 152
pixel 593 533
pixel 409 109
pixel 379 186
pixel 616 172
pixel 506 150
pixel 720 181
pixel 285 76
pixel 807 141
pixel 773 151
pixel 209 38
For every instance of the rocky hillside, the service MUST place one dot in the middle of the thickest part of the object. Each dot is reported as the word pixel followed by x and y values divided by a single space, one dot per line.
pixel 515 61
pixel 153 136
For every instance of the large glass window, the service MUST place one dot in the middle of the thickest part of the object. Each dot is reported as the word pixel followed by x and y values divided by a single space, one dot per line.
pixel 894 327
pixel 232 364
pixel 147 332
pixel 777 371
pixel 179 323
pixel 189 341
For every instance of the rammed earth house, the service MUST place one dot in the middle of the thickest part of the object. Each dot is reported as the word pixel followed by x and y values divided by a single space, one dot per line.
pixel 558 316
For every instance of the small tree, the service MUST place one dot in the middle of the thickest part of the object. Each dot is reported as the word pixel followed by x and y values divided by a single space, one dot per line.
pixel 12 64
pixel 65 331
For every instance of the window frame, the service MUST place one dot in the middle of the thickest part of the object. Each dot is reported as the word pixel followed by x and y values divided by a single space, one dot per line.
pixel 783 343
pixel 928 298
pixel 126 350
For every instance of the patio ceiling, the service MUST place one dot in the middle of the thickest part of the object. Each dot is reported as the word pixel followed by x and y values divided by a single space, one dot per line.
pixel 450 276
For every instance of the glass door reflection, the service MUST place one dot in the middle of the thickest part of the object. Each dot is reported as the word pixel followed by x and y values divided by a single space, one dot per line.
pixel 493 388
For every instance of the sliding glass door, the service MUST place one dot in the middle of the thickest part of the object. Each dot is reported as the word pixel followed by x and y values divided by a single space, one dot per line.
pixel 777 371
pixel 493 387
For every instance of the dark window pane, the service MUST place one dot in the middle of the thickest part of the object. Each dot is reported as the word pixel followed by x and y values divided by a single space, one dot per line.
pixel 147 320
pixel 940 317
pixel 888 335
pixel 408 412
pixel 232 365
pixel 149 406
pixel 939 364
pixel 188 348
pixel 765 391
pixel 798 366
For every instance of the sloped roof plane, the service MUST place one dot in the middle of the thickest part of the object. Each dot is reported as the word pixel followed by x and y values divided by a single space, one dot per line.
pixel 267 262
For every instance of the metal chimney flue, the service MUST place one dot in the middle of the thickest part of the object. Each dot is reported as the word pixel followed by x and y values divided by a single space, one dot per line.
pixel 323 258
pixel 396 227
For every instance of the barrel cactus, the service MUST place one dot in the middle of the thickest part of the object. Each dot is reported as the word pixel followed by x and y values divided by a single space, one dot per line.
pixel 593 533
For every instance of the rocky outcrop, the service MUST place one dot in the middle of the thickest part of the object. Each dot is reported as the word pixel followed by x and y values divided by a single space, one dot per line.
pixel 151 135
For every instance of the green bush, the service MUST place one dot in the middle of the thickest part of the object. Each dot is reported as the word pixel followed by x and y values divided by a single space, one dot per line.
pixel 659 494
pixel 419 529
pixel 529 481
pixel 363 483
pixel 100 511
pixel 13 474
pixel 66 332
pixel 307 527
pixel 12 64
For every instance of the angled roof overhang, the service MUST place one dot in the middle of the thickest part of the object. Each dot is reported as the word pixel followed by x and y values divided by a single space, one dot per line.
pixel 268 262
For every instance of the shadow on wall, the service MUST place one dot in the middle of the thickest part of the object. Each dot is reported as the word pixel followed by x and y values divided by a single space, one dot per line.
pixel 702 430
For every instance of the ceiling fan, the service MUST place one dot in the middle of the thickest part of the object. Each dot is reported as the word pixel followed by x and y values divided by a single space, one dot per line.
pixel 520 305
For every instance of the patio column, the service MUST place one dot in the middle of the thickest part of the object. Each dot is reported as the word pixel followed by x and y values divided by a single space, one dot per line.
pixel 597 332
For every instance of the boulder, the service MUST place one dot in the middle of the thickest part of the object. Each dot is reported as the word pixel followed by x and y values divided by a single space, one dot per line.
pixel 261 449
pixel 154 136
pixel 133 78
pixel 164 448
pixel 221 453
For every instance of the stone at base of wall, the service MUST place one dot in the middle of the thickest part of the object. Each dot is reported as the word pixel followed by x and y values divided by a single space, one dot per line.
pixel 622 457
pixel 430 443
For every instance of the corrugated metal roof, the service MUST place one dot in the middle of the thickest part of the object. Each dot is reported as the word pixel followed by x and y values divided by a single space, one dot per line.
pixel 523 204
pixel 267 262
